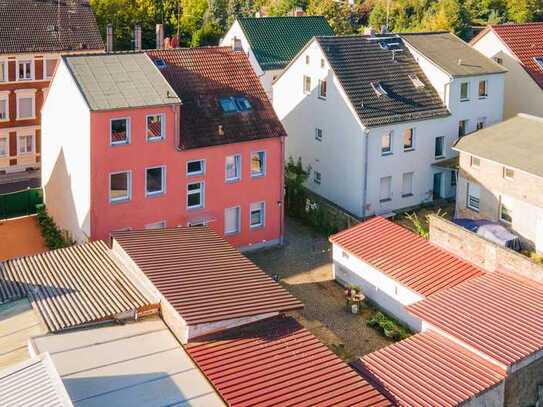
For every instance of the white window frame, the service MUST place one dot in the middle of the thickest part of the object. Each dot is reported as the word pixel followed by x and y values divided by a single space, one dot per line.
pixel 162 128
pixel 25 94
pixel 128 131
pixel 480 120
pixel 389 198
pixel 485 81
pixel 238 225
pixel 194 174
pixel 307 59
pixel 308 78
pixel 5 96
pixel 264 165
pixel 390 136
pixel 237 162
pixel 156 225
pixel 466 124
pixel 468 196
pixel 45 62
pixel 5 77
pixel 318 134
pixel 6 139
pixel 468 92
pixel 163 186
pixel 317 177
pixel 505 169
pixel 263 217
pixel 19 136
pixel 32 73
pixel 413 139
pixel 201 191
pixel 508 208
pixel 410 193
pixel 442 155
pixel 321 95
pixel 129 184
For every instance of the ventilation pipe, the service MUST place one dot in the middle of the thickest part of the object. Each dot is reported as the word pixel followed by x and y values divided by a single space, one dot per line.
pixel 137 37
pixel 159 36
pixel 109 38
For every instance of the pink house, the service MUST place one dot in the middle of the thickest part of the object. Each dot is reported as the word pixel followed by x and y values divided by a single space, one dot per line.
pixel 161 139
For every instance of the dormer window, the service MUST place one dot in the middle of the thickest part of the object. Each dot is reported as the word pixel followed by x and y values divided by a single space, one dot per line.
pixel 235 104
pixel 378 89
pixel 160 64
pixel 416 81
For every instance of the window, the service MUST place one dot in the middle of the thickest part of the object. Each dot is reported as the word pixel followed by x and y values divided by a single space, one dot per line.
pixel 481 123
pixel 4 106
pixel 120 131
pixel 195 167
pixel 4 147
pixel 233 167
pixel 322 89
pixel 409 139
pixel 155 181
pixel 506 209
pixel 232 220
pixel 385 190
pixel 258 164
pixel 156 225
pixel 462 128
pixel 120 186
pixel 235 104
pixel 24 70
pixel 317 177
pixel 475 162
pixel 498 60
pixel 322 62
pixel 438 149
pixel 508 173
pixel 228 105
pixel 25 144
pixel 25 107
pixel 155 127
pixel 453 178
pixel 195 195
pixel 257 215
pixel 483 89
pixel 307 59
pixel 407 184
pixel 386 144
pixel 473 196
pixel 160 64
pixel 318 134
pixel 243 104
pixel 539 61
pixel 50 65
pixel 3 71
pixel 307 84
pixel 464 91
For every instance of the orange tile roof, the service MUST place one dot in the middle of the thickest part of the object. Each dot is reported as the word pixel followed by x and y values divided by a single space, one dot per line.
pixel 404 256
pixel 498 314
pixel 429 370
pixel 276 362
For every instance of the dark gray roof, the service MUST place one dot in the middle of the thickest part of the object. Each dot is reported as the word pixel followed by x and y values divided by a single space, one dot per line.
pixel 47 26
pixel 360 61
pixel 452 55
pixel 117 81
pixel 516 143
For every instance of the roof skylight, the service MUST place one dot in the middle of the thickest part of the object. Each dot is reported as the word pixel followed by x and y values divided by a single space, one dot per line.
pixel 160 64
pixel 379 89
pixel 235 104
pixel 539 61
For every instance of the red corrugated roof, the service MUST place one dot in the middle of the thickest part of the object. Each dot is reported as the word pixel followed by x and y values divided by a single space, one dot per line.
pixel 526 42
pixel 276 362
pixel 404 256
pixel 498 313
pixel 429 370
pixel 202 276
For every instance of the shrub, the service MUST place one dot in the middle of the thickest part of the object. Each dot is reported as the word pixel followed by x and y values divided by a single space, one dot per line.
pixel 52 235
pixel 388 326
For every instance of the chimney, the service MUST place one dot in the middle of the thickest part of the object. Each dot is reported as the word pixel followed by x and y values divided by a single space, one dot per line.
pixel 298 12
pixel 159 36
pixel 221 130
pixel 236 45
pixel 369 31
pixel 109 38
pixel 137 37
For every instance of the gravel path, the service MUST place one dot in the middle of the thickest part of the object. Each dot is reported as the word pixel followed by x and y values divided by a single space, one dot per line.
pixel 305 268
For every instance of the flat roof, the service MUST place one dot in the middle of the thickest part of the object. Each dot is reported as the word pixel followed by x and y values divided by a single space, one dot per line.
pixel 404 256
pixel 202 276
pixel 34 382
pixel 428 369
pixel 498 314
pixel 277 362
pixel 516 143
pixel 451 54
pixel 117 81
pixel 74 286
pixel 139 364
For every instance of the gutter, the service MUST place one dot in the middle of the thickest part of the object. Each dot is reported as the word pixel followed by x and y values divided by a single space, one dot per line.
pixel 365 181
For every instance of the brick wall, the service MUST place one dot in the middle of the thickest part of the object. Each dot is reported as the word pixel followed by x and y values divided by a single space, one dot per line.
pixel 480 251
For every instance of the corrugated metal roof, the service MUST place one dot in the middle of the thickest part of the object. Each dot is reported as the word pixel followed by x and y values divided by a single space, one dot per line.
pixel 276 362
pixel 117 81
pixel 202 276
pixel 139 364
pixel 404 256
pixel 73 286
pixel 34 382
pixel 429 370
pixel 498 313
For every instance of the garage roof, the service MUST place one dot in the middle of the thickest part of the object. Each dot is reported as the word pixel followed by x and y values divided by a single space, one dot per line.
pixel 429 370
pixel 202 276
pixel 404 256
pixel 498 314
pixel 73 286
pixel 277 362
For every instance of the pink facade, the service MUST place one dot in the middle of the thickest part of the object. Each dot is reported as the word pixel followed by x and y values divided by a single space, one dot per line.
pixel 139 154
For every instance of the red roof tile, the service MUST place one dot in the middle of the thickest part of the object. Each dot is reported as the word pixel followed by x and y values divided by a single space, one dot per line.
pixel 498 314
pixel 526 42
pixel 200 77
pixel 276 362
pixel 429 370
pixel 202 276
pixel 404 256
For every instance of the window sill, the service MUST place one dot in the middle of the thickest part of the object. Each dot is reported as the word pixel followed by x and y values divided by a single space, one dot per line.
pixel 195 174
pixel 483 97
pixel 386 154
pixel 232 181
pixel 257 175
pixel 194 208
pixel 385 200
pixel 117 144
pixel 408 150
pixel 231 233
pixel 407 195
pixel 439 157
pixel 119 201
pixel 26 118
pixel 256 227
pixel 155 139
pixel 154 194
pixel 322 97
pixel 464 100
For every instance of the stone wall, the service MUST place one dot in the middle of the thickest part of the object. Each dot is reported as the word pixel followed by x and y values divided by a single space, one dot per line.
pixel 480 251
pixel 338 216
pixel 523 387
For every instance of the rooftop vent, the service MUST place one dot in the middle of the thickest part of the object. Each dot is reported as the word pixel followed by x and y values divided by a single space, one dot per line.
pixel 379 89
pixel 416 81
pixel 160 64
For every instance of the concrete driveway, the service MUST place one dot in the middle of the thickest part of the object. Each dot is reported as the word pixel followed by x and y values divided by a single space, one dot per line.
pixel 305 269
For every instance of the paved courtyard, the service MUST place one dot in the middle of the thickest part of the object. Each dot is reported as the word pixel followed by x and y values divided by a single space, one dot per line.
pixel 305 269
pixel 20 237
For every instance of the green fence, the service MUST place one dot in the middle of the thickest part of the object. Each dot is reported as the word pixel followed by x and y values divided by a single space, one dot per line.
pixel 20 203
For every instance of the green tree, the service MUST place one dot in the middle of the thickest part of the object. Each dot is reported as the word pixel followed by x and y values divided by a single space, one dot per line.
pixel 523 11
pixel 338 14
pixel 448 15
pixel 209 34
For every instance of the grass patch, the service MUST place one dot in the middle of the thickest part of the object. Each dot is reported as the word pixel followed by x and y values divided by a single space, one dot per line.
pixel 388 326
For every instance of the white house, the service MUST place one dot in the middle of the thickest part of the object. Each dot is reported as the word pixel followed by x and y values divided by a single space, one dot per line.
pixel 519 48
pixel 272 42
pixel 377 127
